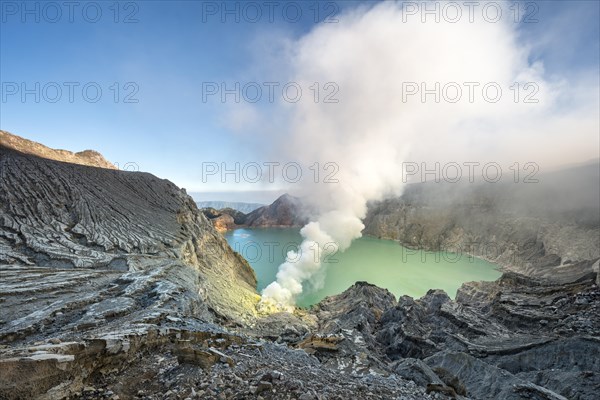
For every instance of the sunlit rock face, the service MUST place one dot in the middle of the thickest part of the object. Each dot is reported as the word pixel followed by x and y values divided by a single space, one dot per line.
pixel 87 157
pixel 224 219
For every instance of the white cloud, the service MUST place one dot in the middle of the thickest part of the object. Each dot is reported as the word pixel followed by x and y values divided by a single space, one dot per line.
pixel 372 55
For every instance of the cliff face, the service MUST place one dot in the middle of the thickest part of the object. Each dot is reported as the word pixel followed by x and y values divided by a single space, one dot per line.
pixel 63 216
pixel 523 244
pixel 87 157
pixel 106 264
pixel 524 229
pixel 224 219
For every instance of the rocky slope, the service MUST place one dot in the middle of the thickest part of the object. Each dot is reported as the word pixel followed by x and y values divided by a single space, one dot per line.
pixel 90 253
pixel 87 157
pixel 515 338
pixel 113 285
pixel 524 228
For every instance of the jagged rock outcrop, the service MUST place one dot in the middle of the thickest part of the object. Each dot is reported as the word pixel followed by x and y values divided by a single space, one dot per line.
pixel 518 337
pixel 87 157
pixel 225 219
pixel 284 212
pixel 352 318
pixel 484 381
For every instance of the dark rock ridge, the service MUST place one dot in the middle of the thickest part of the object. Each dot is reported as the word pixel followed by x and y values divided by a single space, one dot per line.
pixel 515 338
pixel 286 211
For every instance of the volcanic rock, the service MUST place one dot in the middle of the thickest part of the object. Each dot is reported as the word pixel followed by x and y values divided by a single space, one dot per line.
pixel 87 157
pixel 286 211
pixel 114 285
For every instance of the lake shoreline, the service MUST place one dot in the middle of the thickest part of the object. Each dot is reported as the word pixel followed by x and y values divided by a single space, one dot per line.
pixel 379 261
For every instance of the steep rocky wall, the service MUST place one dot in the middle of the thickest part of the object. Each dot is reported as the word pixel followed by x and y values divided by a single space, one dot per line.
pixel 487 226
pixel 59 216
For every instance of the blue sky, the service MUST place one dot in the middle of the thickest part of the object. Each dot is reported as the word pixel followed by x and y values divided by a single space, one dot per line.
pixel 167 51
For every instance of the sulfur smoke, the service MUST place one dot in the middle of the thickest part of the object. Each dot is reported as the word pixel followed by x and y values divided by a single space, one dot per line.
pixel 371 54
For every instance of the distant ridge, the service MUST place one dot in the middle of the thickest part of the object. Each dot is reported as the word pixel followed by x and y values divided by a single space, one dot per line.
pixel 238 206
pixel 90 158
pixel 286 211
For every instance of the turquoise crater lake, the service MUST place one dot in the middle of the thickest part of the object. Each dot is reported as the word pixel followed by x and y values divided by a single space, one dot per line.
pixel 384 263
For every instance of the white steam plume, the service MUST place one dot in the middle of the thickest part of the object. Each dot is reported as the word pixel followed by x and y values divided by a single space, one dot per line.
pixel 371 54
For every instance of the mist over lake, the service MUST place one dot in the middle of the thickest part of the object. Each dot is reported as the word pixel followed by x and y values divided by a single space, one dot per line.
pixel 384 263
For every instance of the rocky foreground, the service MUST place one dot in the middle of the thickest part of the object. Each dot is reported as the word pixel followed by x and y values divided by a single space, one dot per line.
pixel 114 285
